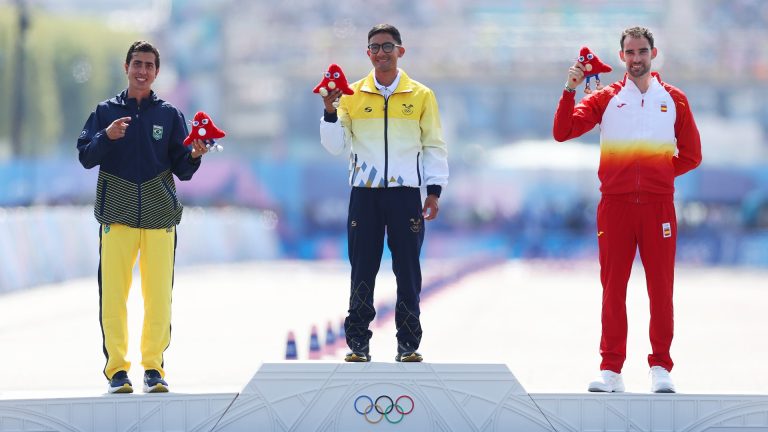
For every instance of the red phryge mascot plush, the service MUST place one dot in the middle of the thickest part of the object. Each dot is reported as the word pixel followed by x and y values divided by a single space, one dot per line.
pixel 592 67
pixel 204 129
pixel 332 79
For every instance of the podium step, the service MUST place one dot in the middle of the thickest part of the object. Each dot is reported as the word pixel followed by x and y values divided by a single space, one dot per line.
pixel 366 396
pixel 329 396
pixel 108 413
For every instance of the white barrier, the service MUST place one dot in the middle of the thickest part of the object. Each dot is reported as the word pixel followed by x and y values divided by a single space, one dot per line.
pixel 331 397
pixel 42 245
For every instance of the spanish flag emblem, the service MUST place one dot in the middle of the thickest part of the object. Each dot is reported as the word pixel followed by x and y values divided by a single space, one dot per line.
pixel 666 230
pixel 663 107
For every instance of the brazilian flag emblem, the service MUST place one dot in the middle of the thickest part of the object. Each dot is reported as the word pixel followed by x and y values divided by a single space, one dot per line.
pixel 157 132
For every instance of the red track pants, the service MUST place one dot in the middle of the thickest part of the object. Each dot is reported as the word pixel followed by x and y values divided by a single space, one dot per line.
pixel 625 223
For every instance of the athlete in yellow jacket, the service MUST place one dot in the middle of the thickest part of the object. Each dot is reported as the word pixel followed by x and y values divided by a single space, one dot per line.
pixel 391 129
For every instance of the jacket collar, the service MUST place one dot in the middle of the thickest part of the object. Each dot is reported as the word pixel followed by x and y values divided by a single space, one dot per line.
pixel 654 77
pixel 123 99
pixel 369 85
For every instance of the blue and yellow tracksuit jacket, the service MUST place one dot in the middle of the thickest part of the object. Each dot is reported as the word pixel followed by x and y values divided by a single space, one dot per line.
pixel 135 185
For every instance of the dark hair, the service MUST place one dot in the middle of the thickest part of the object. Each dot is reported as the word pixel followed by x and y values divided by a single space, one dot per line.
pixel 385 28
pixel 143 46
pixel 636 33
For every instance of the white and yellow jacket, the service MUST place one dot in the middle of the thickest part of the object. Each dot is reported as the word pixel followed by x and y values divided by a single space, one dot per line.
pixel 392 142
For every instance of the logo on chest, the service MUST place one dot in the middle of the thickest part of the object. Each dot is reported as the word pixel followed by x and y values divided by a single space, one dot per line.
pixel 663 107
pixel 157 132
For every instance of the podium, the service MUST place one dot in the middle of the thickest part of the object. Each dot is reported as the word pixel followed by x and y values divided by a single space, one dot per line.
pixel 330 397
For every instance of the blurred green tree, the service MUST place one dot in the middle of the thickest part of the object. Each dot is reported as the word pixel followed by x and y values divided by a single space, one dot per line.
pixel 71 64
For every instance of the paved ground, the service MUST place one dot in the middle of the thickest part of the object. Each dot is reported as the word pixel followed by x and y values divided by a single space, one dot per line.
pixel 540 318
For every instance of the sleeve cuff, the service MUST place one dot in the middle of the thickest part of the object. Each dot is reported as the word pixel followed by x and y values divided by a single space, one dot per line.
pixel 194 161
pixel 435 190
pixel 330 117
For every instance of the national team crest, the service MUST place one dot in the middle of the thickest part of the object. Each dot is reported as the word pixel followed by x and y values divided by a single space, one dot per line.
pixel 663 107
pixel 408 109
pixel 666 230
pixel 157 132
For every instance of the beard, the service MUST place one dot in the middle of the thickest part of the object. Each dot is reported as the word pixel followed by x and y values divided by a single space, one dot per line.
pixel 638 71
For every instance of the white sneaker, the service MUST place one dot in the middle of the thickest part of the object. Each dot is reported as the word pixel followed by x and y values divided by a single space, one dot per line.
pixel 609 382
pixel 661 382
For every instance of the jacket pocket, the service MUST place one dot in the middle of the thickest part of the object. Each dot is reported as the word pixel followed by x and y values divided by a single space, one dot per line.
pixel 353 167
pixel 103 198
pixel 418 167
pixel 171 195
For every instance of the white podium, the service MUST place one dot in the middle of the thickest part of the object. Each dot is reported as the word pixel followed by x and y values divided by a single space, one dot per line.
pixel 330 397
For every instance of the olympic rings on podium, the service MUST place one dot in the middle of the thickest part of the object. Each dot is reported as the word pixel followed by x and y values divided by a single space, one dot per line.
pixel 383 410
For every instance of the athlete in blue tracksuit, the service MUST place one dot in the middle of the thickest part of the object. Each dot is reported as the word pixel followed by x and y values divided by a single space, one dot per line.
pixel 136 139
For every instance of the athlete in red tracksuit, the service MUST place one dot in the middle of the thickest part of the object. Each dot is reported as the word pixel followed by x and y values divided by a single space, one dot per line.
pixel 647 138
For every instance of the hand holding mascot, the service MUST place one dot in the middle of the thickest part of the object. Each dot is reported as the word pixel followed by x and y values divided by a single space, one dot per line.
pixel 204 129
pixel 333 78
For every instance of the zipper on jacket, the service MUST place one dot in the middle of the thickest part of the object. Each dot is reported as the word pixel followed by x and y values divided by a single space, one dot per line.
pixel 637 164
pixel 418 170
pixel 386 142
pixel 103 197
pixel 138 222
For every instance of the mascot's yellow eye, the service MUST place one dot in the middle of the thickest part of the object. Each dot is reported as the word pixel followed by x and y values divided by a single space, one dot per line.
pixel 336 75
pixel 327 74
pixel 195 123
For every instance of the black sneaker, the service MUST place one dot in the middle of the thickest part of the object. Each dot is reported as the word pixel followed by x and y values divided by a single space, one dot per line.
pixel 357 357
pixel 120 383
pixel 409 357
pixel 154 383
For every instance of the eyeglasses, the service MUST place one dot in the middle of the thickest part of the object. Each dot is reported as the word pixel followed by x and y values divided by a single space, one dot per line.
pixel 386 46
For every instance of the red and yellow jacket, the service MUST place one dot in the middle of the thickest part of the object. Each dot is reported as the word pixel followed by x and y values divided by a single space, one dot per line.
pixel 646 140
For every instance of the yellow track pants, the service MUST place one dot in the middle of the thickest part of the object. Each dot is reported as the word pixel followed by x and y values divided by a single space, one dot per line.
pixel 155 248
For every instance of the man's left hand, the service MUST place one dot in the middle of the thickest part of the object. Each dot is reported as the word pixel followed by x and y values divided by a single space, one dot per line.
pixel 430 207
pixel 198 148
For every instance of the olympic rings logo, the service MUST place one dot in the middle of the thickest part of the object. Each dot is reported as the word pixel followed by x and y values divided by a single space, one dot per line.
pixel 387 409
